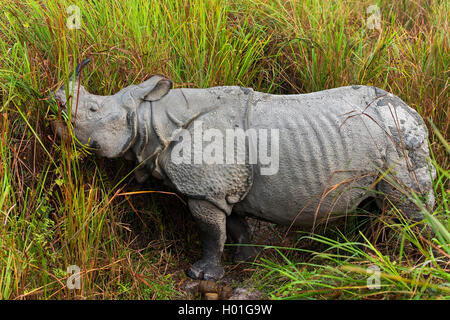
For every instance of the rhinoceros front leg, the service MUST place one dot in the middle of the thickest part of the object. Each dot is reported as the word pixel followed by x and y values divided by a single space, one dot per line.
pixel 211 222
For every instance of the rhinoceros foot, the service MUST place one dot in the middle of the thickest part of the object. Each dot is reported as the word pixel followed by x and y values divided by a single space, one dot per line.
pixel 205 270
pixel 244 254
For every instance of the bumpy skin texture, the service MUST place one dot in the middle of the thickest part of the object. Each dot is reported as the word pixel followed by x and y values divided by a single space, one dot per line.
pixel 333 147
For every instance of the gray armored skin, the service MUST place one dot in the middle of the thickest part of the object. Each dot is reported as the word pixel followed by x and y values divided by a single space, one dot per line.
pixel 336 148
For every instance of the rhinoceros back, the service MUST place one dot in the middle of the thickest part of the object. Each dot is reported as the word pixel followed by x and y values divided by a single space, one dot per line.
pixel 330 146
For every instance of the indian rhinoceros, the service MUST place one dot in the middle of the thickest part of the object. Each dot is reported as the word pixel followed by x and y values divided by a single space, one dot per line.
pixel 320 154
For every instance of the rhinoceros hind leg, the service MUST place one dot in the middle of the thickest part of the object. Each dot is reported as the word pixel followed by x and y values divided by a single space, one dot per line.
pixel 211 223
pixel 239 232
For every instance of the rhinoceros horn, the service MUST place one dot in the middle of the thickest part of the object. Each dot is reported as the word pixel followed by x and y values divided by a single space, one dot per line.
pixel 77 71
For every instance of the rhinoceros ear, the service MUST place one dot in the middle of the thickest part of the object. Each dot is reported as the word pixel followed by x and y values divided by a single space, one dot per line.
pixel 152 89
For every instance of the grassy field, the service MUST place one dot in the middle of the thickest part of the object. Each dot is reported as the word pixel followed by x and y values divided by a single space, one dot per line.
pixel 61 207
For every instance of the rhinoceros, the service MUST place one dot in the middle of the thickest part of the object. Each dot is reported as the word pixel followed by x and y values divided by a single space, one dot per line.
pixel 320 154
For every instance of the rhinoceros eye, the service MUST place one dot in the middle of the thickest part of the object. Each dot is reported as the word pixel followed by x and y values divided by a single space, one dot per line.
pixel 93 107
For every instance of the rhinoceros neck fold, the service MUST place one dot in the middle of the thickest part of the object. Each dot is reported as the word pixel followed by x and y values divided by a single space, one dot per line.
pixel 146 147
pixel 141 145
pixel 132 126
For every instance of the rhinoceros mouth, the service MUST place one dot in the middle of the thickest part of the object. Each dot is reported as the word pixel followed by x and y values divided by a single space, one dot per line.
pixel 61 130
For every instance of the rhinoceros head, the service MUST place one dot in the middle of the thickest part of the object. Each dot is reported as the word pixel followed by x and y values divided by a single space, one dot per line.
pixel 108 124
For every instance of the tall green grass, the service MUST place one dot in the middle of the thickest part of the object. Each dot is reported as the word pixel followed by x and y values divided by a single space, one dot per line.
pixel 59 207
